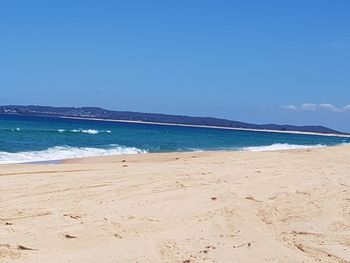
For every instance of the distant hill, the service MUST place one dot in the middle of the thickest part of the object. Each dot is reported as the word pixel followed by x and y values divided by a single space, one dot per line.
pixel 93 112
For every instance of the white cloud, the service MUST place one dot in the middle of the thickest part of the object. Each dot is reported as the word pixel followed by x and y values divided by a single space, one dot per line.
pixel 290 107
pixel 330 107
pixel 315 107
pixel 309 106
pixel 346 108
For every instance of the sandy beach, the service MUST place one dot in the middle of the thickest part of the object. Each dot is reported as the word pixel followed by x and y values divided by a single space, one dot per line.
pixel 285 206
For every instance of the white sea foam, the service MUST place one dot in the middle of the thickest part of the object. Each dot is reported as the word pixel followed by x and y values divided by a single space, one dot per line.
pixel 88 131
pixel 64 152
pixel 16 129
pixel 281 146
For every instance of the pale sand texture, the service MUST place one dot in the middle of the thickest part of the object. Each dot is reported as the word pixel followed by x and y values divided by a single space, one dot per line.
pixel 287 206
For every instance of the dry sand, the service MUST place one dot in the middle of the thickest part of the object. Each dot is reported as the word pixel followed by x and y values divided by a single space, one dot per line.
pixel 286 206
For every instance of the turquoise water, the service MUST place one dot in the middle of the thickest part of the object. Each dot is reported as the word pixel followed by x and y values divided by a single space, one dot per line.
pixel 28 139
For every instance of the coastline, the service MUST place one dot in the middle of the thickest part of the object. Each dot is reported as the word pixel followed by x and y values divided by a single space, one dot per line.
pixel 208 127
pixel 278 206
pixel 193 126
pixel 50 159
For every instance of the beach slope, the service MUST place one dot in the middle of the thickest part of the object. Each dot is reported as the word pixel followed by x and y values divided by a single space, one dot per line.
pixel 285 206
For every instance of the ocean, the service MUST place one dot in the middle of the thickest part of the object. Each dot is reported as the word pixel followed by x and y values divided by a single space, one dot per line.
pixel 33 139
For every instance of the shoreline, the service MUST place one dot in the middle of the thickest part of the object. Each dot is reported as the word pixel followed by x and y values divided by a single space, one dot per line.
pixel 189 125
pixel 209 127
pixel 160 155
pixel 252 150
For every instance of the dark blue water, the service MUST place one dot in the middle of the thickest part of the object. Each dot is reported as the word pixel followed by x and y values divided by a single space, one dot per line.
pixel 25 139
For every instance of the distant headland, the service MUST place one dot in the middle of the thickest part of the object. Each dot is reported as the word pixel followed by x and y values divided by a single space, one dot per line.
pixel 165 119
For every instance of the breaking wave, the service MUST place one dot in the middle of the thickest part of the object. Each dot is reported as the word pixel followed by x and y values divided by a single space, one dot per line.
pixel 88 131
pixel 64 152
pixel 281 146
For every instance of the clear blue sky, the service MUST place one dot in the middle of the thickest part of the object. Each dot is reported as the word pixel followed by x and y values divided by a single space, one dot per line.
pixel 255 61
